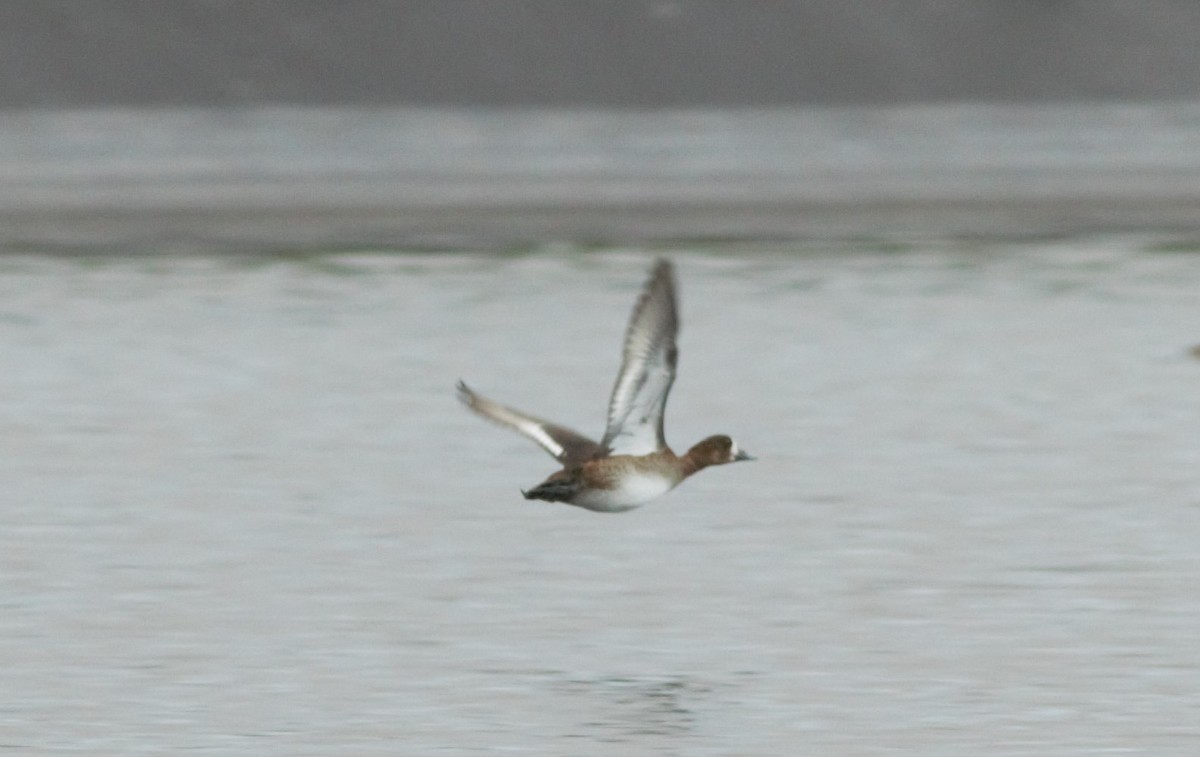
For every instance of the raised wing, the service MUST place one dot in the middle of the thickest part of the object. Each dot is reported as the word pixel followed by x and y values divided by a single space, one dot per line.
pixel 567 446
pixel 635 412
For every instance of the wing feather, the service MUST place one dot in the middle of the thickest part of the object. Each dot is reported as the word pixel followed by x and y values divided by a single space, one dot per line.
pixel 639 397
pixel 565 445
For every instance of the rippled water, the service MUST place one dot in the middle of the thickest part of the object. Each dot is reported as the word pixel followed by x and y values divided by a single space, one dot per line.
pixel 242 513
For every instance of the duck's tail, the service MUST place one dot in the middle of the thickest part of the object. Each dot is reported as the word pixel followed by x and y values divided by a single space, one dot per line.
pixel 553 491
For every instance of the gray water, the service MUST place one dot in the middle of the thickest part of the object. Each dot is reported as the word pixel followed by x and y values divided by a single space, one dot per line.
pixel 242 513
pixel 162 180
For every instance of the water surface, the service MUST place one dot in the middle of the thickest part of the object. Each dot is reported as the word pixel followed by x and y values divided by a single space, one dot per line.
pixel 243 514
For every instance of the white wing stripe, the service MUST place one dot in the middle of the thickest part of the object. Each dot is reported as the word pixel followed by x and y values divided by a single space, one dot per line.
pixel 533 430
pixel 504 416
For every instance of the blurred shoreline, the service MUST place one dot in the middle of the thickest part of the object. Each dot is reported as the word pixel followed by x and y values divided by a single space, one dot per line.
pixel 246 179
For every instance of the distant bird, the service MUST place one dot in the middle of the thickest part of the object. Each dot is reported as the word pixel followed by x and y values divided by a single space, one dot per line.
pixel 632 464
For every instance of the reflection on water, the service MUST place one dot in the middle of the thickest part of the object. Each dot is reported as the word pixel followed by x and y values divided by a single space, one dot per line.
pixel 624 709
pixel 242 512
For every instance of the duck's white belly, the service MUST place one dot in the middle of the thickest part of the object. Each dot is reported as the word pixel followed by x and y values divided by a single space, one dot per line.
pixel 635 490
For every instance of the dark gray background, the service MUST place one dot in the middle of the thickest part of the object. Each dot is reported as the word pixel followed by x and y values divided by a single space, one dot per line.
pixel 629 53
pixel 168 125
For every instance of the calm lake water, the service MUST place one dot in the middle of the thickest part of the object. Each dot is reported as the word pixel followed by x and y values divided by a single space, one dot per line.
pixel 242 512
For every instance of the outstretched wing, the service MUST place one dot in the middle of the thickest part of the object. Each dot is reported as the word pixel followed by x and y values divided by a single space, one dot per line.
pixel 639 398
pixel 567 446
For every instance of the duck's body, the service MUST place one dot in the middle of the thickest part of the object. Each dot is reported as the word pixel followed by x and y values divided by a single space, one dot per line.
pixel 611 484
pixel 632 464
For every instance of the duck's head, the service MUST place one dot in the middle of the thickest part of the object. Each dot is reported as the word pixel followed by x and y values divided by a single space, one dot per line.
pixel 717 450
